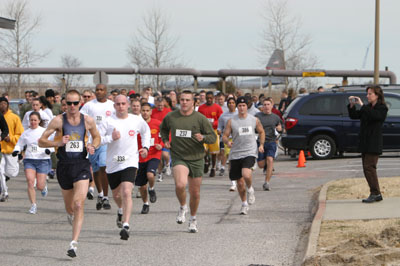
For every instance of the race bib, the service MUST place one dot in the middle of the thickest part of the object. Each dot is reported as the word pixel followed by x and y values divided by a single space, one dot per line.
pixel 99 119
pixel 74 146
pixel 211 120
pixel 120 158
pixel 243 131
pixel 33 148
pixel 183 133
pixel 152 142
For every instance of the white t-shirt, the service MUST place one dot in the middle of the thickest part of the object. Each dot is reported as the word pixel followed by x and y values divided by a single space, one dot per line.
pixel 30 138
pixel 98 111
pixel 123 153
pixel 43 115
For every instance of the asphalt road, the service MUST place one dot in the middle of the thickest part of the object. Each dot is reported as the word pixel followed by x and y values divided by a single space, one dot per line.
pixel 274 233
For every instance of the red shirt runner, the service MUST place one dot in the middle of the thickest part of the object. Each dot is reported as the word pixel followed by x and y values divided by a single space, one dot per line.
pixel 212 112
pixel 154 126
pixel 159 115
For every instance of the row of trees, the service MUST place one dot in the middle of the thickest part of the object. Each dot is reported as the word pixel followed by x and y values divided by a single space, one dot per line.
pixel 153 45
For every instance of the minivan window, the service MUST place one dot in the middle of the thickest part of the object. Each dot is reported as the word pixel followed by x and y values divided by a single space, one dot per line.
pixel 394 105
pixel 293 103
pixel 323 105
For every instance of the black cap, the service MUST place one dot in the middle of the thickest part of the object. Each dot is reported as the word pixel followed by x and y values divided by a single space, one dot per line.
pixel 3 99
pixel 49 93
pixel 241 99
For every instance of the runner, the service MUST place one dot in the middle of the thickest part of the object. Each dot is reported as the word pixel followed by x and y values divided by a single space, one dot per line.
pixel 243 150
pixel 148 166
pixel 222 121
pixel 73 169
pixel 99 109
pixel 37 107
pixel 36 160
pixel 120 133
pixel 189 131
pixel 271 124
pixel 212 111
pixel 9 166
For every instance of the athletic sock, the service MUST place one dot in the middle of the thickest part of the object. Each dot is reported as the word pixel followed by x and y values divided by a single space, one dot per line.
pixel 146 203
pixel 244 203
pixel 91 189
pixel 192 218
pixel 120 211
pixel 101 194
pixel 250 189
pixel 151 188
pixel 105 198
pixel 125 225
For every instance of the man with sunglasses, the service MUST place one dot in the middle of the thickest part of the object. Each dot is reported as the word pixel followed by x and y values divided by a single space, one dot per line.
pixel 99 109
pixel 73 169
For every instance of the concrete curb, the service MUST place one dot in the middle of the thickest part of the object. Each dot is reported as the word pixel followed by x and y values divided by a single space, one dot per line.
pixel 316 224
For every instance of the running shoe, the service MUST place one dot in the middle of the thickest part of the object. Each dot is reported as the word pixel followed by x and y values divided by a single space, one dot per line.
pixel 145 209
pixel 221 172
pixel 70 218
pixel 45 192
pixel 181 217
pixel 168 170
pixel 153 195
pixel 164 169
pixel 212 172
pixel 4 198
pixel 266 186
pixel 73 246
pixel 90 194
pixel 124 233
pixel 51 174
pixel 232 188
pixel 119 220
pixel 33 209
pixel 244 210
pixel 251 198
pixel 106 204
pixel 99 203
pixel 160 177
pixel 193 226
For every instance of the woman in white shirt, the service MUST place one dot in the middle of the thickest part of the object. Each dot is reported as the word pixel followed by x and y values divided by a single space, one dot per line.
pixel 36 107
pixel 46 106
pixel 36 161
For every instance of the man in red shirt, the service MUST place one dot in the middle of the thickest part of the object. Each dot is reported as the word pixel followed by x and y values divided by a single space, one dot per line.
pixel 212 111
pixel 148 166
pixel 158 113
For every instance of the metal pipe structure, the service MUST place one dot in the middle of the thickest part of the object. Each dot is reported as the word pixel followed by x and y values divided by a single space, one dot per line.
pixel 376 59
pixel 222 73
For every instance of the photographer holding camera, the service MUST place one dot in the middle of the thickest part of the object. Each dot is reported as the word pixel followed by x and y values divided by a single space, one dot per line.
pixel 372 116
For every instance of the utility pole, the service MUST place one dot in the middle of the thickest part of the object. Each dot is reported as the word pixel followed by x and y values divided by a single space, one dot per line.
pixel 376 63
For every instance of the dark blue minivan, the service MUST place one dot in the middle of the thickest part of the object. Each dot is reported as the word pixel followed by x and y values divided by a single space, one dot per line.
pixel 320 123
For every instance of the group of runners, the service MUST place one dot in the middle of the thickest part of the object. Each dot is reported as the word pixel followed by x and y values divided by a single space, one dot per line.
pixel 129 140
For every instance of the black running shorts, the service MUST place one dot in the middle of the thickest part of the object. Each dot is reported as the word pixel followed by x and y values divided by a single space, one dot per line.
pixel 72 171
pixel 126 175
pixel 235 172
pixel 147 167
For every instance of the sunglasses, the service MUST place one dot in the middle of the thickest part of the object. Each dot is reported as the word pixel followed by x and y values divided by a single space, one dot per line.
pixel 73 103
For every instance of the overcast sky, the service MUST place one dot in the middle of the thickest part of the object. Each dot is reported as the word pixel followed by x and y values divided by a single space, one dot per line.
pixel 215 34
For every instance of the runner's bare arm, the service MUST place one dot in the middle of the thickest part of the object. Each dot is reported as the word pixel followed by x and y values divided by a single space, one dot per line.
pixel 227 133
pixel 91 126
pixel 55 125
pixel 261 132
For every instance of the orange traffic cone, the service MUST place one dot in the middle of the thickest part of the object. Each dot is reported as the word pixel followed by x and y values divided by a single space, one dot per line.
pixel 302 159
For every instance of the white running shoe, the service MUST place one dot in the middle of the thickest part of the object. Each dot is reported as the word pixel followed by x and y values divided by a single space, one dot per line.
pixel 244 210
pixel 232 188
pixel 181 217
pixel 33 209
pixel 73 246
pixel 251 198
pixel 168 170
pixel 45 191
pixel 160 177
pixel 193 226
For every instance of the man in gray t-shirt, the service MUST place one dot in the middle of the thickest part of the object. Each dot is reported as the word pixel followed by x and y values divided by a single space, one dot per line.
pixel 271 124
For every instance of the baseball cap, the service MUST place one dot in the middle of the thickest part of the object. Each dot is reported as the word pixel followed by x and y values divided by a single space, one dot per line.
pixel 131 92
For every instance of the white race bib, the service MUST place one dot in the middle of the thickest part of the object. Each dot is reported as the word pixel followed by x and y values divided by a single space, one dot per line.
pixel 74 146
pixel 33 148
pixel 243 131
pixel 211 120
pixel 183 133
pixel 120 158
pixel 99 119
pixel 152 142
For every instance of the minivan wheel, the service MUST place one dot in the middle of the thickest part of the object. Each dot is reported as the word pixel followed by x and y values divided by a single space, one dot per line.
pixel 322 147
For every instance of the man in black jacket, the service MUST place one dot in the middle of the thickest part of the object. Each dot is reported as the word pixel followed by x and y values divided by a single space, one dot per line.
pixel 4 134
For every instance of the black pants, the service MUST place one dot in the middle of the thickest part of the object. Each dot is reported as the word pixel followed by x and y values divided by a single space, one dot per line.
pixel 369 162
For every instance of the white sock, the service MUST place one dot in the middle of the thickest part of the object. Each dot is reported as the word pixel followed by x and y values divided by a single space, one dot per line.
pixel 105 198
pixel 184 207
pixel 250 189
pixel 223 167
pixel 233 183
pixel 101 194
pixel 120 211
pixel 192 218
pixel 125 225
pixel 151 188
pixel 245 204
pixel 91 189
pixel 146 203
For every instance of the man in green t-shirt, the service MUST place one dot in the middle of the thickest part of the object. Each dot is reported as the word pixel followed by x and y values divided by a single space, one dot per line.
pixel 56 107
pixel 189 130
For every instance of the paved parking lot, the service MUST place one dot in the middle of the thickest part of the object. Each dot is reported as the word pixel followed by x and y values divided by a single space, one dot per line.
pixel 274 232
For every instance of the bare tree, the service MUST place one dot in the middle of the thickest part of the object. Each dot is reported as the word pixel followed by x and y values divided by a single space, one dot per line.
pixel 153 46
pixel 16 48
pixel 71 80
pixel 283 31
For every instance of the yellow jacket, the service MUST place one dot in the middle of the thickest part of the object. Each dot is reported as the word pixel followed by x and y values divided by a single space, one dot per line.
pixel 15 129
